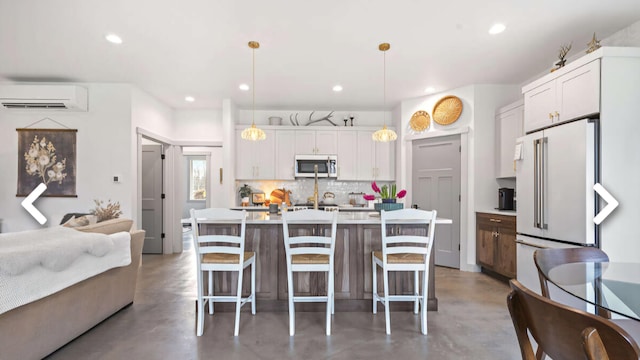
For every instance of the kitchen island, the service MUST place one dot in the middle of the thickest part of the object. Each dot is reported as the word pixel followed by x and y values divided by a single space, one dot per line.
pixel 358 234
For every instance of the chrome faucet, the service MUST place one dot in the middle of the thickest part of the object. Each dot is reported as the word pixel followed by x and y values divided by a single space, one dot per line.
pixel 315 187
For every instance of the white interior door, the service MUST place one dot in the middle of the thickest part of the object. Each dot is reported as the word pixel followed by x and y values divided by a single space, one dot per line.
pixel 152 198
pixel 436 185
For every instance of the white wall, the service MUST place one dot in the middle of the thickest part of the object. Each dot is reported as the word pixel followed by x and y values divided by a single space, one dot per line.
pixel 629 36
pixel 103 150
pixel 194 125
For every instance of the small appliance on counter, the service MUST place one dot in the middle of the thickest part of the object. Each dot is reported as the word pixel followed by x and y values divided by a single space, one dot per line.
pixel 505 199
pixel 257 198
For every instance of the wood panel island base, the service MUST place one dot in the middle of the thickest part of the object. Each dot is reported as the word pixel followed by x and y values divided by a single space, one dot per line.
pixel 358 235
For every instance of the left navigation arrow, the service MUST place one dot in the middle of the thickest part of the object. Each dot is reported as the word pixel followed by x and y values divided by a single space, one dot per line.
pixel 27 203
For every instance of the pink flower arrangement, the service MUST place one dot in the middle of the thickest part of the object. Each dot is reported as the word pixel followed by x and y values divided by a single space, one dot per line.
pixel 385 193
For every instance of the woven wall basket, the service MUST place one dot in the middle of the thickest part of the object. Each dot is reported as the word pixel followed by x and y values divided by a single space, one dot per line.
pixel 447 110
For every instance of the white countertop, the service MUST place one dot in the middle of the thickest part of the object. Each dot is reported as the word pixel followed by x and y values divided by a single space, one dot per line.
pixel 340 207
pixel 498 212
pixel 355 217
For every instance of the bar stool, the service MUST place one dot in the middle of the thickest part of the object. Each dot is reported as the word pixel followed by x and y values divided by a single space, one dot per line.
pixel 404 253
pixel 222 253
pixel 310 253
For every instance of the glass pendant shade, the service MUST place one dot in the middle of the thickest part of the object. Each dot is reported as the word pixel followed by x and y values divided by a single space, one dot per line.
pixel 253 133
pixel 384 134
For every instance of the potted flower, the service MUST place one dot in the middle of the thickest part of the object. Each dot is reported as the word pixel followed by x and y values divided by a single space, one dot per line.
pixel 387 193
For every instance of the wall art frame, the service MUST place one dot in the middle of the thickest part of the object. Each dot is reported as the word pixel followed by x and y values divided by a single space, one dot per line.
pixel 47 156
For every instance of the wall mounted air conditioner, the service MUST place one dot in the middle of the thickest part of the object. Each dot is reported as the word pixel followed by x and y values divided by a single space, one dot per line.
pixel 43 97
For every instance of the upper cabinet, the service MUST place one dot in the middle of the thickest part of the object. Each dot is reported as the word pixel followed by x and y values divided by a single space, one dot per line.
pixel 254 159
pixel 359 157
pixel 347 155
pixel 376 160
pixel 570 95
pixel 509 126
pixel 318 142
pixel 285 154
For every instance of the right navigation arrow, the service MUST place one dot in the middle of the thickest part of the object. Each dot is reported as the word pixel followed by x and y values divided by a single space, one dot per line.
pixel 611 203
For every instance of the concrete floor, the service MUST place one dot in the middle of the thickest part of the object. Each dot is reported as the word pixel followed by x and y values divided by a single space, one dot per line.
pixel 472 322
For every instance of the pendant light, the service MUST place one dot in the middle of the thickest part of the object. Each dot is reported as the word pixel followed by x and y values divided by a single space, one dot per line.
pixel 384 134
pixel 253 133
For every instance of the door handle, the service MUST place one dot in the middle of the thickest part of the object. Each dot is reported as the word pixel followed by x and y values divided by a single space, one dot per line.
pixel 543 144
pixel 535 183
pixel 220 176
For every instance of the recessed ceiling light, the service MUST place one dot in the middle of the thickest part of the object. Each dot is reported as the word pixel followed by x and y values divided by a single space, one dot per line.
pixel 113 38
pixel 189 99
pixel 244 87
pixel 430 89
pixel 337 88
pixel 497 28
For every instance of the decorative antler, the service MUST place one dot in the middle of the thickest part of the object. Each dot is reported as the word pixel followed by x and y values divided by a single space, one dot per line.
pixel 325 118
pixel 295 122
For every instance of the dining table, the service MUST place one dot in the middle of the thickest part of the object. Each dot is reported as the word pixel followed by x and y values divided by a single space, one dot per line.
pixel 610 286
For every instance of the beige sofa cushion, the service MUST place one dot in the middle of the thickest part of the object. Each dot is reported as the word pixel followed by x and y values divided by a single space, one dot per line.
pixel 108 227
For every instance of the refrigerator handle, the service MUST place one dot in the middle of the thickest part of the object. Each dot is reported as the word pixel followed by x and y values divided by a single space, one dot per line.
pixel 535 183
pixel 543 144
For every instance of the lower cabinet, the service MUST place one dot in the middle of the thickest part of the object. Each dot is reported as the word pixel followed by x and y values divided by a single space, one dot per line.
pixel 496 243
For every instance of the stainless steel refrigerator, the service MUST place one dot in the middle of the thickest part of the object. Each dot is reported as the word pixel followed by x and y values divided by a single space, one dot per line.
pixel 557 170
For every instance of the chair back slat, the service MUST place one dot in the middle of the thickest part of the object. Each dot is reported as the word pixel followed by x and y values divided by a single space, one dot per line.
pixel 218 243
pixel 407 239
pixel 404 243
pixel 221 250
pixel 309 239
pixel 310 250
pixel 557 328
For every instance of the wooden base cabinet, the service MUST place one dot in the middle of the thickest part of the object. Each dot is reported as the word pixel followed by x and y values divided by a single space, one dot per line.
pixel 496 243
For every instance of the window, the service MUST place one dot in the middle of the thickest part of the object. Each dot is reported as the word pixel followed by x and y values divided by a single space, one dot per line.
pixel 197 179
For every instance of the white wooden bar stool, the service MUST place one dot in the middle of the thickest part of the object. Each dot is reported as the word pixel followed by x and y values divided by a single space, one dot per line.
pixel 310 253
pixel 222 253
pixel 404 253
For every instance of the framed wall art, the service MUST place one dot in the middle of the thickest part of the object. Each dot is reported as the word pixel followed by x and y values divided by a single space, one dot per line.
pixel 47 156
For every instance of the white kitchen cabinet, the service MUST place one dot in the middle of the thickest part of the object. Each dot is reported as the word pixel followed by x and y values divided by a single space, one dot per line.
pixel 376 160
pixel 317 142
pixel 347 155
pixel 285 154
pixel 509 126
pixel 566 96
pixel 255 159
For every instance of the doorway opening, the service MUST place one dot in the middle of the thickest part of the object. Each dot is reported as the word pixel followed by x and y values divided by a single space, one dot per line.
pixel 152 173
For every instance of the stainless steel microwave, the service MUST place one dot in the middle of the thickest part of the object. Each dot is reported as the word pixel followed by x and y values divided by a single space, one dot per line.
pixel 327 165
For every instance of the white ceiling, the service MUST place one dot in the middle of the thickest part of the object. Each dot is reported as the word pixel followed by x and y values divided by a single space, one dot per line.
pixel 175 48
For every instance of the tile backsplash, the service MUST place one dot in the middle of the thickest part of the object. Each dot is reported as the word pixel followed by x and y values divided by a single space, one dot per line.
pixel 301 189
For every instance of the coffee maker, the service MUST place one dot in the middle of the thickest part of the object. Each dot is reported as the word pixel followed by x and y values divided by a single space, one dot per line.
pixel 505 199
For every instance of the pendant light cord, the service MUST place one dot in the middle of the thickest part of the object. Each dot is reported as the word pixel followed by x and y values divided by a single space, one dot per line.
pixel 253 86
pixel 384 88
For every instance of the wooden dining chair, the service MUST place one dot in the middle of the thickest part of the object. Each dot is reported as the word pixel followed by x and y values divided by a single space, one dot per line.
pixel 223 252
pixel 310 253
pixel 592 345
pixel 558 329
pixel 546 259
pixel 404 252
